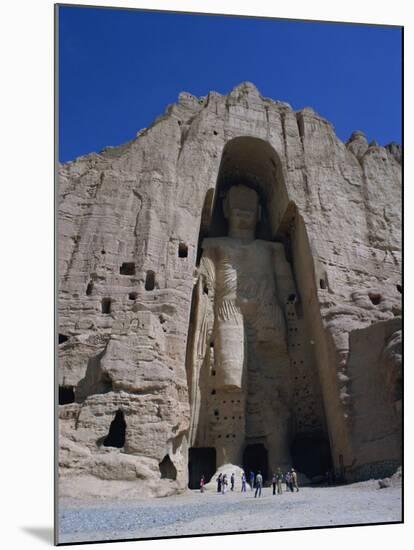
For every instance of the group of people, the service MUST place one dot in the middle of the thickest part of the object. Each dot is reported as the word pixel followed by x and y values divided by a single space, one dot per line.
pixel 290 478
pixel 223 482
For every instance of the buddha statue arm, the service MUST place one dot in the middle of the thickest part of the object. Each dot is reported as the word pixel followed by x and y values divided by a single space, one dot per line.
pixel 228 336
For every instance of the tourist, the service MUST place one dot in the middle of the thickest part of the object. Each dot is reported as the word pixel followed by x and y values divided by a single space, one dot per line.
pixel 294 480
pixel 251 480
pixel 202 484
pixel 274 483
pixel 224 484
pixel 279 479
pixel 232 478
pixel 259 483
pixel 243 482
pixel 219 483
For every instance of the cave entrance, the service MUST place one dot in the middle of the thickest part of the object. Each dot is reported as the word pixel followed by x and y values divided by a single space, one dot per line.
pixel 167 468
pixel 254 459
pixel 311 455
pixel 201 462
pixel 66 395
pixel 116 435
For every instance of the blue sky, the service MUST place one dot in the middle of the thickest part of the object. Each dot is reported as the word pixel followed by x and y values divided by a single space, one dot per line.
pixel 119 69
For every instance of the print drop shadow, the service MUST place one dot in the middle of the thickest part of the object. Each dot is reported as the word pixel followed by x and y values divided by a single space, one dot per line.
pixel 42 533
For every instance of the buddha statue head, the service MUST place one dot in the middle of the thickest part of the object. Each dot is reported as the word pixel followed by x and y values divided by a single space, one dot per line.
pixel 241 209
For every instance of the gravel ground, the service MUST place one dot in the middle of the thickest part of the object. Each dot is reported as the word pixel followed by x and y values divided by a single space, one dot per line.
pixel 194 513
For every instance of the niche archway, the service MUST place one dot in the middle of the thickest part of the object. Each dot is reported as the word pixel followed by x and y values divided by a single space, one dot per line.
pixel 255 163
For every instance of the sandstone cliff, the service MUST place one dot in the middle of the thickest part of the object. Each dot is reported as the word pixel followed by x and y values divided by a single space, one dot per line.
pixel 130 222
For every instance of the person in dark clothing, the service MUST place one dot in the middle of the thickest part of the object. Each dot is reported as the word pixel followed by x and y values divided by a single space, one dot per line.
pixel 251 480
pixel 219 480
pixel 243 483
pixel 259 484
pixel 288 480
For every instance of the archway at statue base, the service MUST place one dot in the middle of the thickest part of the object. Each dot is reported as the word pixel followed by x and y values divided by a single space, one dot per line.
pixel 255 458
pixel 311 455
pixel 201 462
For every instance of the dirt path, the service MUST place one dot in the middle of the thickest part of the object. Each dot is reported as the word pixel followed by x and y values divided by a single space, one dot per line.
pixel 195 513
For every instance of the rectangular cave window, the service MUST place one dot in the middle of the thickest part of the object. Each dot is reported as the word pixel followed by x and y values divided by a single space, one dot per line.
pixel 127 268
pixel 66 395
pixel 106 305
pixel 132 295
pixel 150 280
pixel 182 250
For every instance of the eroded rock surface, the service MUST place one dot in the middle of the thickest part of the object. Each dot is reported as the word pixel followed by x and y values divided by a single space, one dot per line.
pixel 131 222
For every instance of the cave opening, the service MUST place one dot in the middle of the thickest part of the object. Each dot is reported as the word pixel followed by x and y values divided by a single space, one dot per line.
pixel 127 268
pixel 375 298
pixel 116 434
pixel 182 250
pixel 311 454
pixel 201 462
pixel 255 459
pixel 150 280
pixel 106 306
pixel 66 395
pixel 167 468
pixel 63 338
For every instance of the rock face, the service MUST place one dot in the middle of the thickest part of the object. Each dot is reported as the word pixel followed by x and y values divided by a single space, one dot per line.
pixel 134 224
